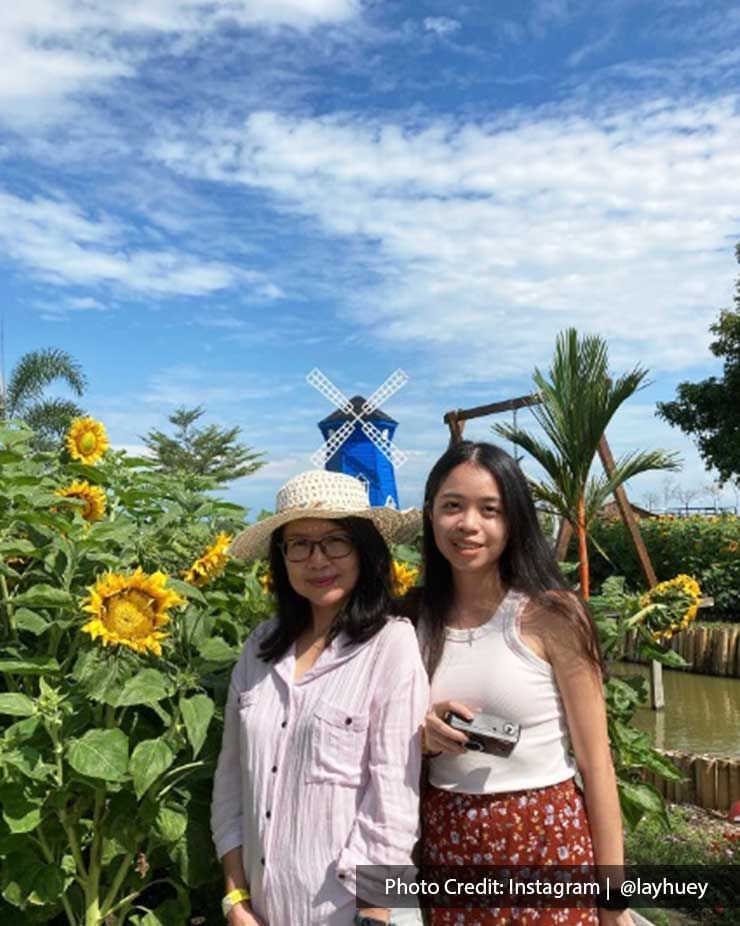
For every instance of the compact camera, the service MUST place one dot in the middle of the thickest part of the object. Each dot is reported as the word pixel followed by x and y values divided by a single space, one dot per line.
pixel 487 733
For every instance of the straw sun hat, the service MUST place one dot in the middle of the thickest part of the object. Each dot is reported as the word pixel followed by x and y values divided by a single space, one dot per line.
pixel 320 493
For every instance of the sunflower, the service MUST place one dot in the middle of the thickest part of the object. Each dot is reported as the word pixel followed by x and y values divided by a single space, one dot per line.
pixel 403 577
pixel 92 496
pixel 129 610
pixel 87 440
pixel 678 600
pixel 267 583
pixel 210 563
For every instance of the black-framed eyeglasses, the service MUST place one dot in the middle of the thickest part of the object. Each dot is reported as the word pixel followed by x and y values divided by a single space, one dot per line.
pixel 299 550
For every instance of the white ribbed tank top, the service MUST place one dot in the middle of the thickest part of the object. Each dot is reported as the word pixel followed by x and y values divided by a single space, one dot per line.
pixel 490 668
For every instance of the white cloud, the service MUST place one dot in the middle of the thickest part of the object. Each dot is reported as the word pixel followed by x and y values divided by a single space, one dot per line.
pixel 490 237
pixel 54 238
pixel 53 50
pixel 442 25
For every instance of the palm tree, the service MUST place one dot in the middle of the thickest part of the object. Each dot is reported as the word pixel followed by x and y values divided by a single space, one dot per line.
pixel 576 404
pixel 24 396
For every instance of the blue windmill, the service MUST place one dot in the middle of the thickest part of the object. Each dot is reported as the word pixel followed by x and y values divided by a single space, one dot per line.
pixel 359 437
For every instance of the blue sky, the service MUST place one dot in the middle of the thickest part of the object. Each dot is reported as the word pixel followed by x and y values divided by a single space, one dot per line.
pixel 204 201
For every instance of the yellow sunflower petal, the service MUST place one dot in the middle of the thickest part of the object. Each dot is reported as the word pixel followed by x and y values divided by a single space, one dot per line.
pixel 87 440
pixel 94 499
pixel 404 577
pixel 129 610
pixel 210 563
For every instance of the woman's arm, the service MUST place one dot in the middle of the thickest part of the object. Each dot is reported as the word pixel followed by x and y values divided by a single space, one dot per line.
pixel 241 914
pixel 581 690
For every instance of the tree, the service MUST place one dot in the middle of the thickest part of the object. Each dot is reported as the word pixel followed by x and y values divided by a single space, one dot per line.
pixel 24 396
pixel 709 411
pixel 650 500
pixel 686 495
pixel 577 402
pixel 207 452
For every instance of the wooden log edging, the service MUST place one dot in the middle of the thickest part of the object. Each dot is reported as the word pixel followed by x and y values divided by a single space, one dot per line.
pixel 712 782
pixel 708 650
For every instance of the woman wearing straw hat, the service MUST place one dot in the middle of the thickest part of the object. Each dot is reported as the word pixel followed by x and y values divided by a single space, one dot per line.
pixel 319 766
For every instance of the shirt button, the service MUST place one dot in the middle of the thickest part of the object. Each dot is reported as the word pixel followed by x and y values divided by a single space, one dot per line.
pixel 348 721
pixel 274 769
pixel 284 724
pixel 262 860
pixel 267 814
pixel 342 876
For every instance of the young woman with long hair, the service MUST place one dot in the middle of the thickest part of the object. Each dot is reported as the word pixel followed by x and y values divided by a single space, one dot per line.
pixel 319 767
pixel 501 634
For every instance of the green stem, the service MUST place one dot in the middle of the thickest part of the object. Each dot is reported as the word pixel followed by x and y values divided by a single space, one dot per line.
pixel 58 750
pixel 130 898
pixel 120 877
pixel 177 780
pixel 8 608
pixel 93 915
pixel 74 845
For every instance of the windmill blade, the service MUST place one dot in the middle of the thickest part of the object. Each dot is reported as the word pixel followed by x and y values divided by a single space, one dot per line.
pixel 384 392
pixel 386 447
pixel 327 451
pixel 327 388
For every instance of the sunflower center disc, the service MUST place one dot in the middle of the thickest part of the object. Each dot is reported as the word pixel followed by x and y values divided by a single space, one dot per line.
pixel 127 618
pixel 87 442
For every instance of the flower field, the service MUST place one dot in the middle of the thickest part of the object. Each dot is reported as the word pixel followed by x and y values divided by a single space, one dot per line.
pixel 708 549
pixel 120 620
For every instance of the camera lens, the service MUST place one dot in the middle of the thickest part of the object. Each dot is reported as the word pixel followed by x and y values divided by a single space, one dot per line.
pixel 474 746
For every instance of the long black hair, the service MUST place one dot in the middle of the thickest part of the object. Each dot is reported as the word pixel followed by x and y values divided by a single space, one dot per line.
pixel 527 564
pixel 364 613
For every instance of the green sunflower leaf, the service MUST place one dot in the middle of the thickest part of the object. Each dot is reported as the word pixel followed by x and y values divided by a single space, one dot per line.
pixel 147 686
pixel 100 754
pixel 197 713
pixel 149 760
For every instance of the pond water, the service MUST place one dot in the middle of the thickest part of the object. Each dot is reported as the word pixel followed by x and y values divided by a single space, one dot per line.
pixel 701 715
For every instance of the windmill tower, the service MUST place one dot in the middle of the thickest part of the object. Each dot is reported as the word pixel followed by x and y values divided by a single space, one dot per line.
pixel 358 437
pixel 361 457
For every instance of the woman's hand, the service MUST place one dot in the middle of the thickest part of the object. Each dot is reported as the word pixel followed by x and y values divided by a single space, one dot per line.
pixel 438 735
pixel 243 915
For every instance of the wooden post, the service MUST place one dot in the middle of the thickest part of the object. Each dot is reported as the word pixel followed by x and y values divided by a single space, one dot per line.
pixel 455 425
pixel 565 532
pixel 657 695
pixel 628 516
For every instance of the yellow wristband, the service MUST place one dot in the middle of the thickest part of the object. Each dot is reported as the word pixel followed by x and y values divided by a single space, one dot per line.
pixel 233 898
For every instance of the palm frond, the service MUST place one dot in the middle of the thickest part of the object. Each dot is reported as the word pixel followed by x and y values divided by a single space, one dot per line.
pixel 50 419
pixel 35 371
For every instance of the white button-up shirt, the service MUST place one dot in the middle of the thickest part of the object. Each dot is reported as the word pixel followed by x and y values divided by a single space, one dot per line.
pixel 319 775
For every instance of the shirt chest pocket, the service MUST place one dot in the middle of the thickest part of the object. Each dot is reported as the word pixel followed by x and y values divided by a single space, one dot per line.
pixel 338 746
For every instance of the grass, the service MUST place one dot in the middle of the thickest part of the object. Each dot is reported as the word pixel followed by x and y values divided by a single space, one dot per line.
pixel 696 837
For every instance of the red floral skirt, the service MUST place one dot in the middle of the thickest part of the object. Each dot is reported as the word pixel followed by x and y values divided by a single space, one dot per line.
pixel 541 826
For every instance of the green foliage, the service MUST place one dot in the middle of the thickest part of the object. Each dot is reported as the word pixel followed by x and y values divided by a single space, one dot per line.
pixel 706 548
pixel 24 396
pixel 107 755
pixel 615 612
pixel 210 453
pixel 709 410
